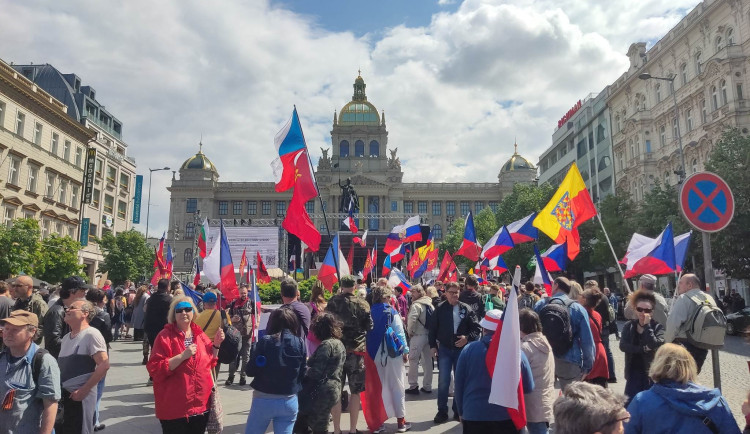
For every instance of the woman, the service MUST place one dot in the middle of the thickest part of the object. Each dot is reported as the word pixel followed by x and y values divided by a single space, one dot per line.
pixel 640 339
pixel 180 365
pixel 117 306
pixel 434 295
pixel 600 371
pixel 278 365
pixel 321 387
pixel 539 352
pixel 608 319
pixel 575 290
pixel 139 318
pixel 388 370
pixel 675 404
pixel 317 304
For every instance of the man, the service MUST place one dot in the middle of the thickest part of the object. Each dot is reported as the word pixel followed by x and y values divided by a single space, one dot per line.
pixel 34 406
pixel 83 363
pixel 527 299
pixel 354 313
pixel 471 297
pixel 473 384
pixel 28 300
pixel 577 362
pixel 419 342
pixel 647 282
pixel 241 311
pixel 6 302
pixel 588 408
pixel 72 289
pixel 290 300
pixel 454 324
pixel 690 293
pixel 211 319
pixel 157 308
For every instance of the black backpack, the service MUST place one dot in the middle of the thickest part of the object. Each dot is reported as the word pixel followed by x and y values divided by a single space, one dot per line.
pixel 555 318
pixel 526 301
pixel 230 347
pixel 429 310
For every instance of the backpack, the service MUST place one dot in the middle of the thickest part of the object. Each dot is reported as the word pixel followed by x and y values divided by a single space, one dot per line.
pixel 526 302
pixel 555 318
pixel 391 340
pixel 230 346
pixel 706 326
pixel 429 310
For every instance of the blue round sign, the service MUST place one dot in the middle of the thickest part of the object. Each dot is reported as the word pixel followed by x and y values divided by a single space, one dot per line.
pixel 707 202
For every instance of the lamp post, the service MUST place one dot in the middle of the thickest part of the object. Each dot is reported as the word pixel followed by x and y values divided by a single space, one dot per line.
pixel 647 76
pixel 148 206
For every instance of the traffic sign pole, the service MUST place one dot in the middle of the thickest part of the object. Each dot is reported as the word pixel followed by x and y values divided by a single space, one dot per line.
pixel 708 270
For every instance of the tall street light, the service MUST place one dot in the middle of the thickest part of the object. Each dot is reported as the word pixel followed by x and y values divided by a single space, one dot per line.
pixel 148 206
pixel 647 76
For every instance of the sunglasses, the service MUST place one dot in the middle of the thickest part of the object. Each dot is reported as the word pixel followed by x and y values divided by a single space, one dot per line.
pixel 643 310
pixel 68 309
pixel 184 310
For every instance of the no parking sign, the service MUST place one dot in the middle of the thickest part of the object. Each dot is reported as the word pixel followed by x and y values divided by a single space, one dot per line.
pixel 707 202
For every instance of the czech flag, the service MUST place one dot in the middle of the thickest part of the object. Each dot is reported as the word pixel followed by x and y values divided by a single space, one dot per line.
pixel 681 247
pixel 327 273
pixel 570 206
pixel 469 248
pixel 541 276
pixel 228 282
pixel 254 295
pixel 504 366
pixel 397 280
pixel 494 264
pixel 523 231
pixel 555 258
pixel 655 257
pixel 500 243
pixel 349 221
pixel 404 233
pixel 262 276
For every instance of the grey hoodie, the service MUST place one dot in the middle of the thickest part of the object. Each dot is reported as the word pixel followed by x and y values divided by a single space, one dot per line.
pixel 416 321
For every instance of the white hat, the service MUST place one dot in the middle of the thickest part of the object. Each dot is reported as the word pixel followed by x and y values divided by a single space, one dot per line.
pixel 491 319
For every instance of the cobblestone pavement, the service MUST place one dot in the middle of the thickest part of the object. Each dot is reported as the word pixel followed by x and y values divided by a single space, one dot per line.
pixel 127 406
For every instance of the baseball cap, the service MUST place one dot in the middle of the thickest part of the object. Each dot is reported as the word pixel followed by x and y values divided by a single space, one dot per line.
pixel 209 297
pixel 491 319
pixel 21 318
pixel 72 283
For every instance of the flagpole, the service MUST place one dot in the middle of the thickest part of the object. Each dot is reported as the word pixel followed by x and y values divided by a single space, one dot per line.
pixel 614 255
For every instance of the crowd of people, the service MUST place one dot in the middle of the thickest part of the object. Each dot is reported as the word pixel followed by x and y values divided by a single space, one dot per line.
pixel 363 349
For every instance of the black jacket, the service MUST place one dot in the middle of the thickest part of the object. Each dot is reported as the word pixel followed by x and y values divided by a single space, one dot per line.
pixel 441 325
pixel 474 300
pixel 632 344
pixel 157 308
pixel 55 328
pixel 103 323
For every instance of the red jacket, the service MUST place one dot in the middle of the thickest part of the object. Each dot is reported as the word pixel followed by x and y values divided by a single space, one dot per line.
pixel 185 391
pixel 600 368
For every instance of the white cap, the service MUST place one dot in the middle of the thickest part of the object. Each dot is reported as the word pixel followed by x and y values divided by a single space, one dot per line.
pixel 491 319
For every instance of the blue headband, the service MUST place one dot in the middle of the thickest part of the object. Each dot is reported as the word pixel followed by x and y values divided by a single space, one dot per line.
pixel 183 304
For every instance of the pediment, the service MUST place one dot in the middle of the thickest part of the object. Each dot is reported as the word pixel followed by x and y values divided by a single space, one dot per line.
pixel 365 180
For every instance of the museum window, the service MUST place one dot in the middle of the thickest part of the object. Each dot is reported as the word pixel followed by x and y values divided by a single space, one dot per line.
pixel 223 207
pixel 374 148
pixel 237 207
pixel 394 206
pixel 437 208
pixel 187 257
pixel 408 207
pixel 478 207
pixel 252 207
pixel 344 148
pixel 437 232
pixel 191 205
pixel 373 207
pixel 494 206
pixel 450 208
pixel 266 207
pixel 359 148
pixel 310 206
pixel 464 208
pixel 280 208
pixel 422 207
pixel 189 230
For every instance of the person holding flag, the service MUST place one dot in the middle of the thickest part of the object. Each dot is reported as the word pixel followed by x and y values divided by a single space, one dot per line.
pixel 241 312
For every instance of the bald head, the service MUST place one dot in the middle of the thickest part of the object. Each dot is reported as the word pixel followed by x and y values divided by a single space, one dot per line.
pixel 687 282
pixel 23 287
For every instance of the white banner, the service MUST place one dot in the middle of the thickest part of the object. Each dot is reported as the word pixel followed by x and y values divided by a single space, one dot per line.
pixel 255 239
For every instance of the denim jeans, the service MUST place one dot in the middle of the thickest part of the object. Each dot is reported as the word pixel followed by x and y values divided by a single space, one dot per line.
pixel 282 411
pixel 99 393
pixel 537 428
pixel 608 351
pixel 447 359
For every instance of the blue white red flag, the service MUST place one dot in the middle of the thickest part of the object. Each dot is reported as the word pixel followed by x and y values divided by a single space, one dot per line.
pixel 681 247
pixel 541 276
pixel 349 221
pixel 469 248
pixel 197 298
pixel 290 144
pixel 523 231
pixel 228 283
pixel 654 257
pixel 495 264
pixel 556 257
pixel 386 266
pixel 500 243
pixel 404 233
pixel 254 297
pixel 397 280
pixel 398 254
pixel 334 258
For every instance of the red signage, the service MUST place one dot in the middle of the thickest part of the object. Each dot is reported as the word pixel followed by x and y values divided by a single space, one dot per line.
pixel 707 202
pixel 569 114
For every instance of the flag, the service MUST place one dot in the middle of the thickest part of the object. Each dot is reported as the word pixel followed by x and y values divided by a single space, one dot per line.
pixel 243 263
pixel 349 220
pixel 327 273
pixel 504 360
pixel 432 259
pixel 386 266
pixel 404 233
pixel 396 279
pixel 254 296
pixel 197 298
pixel 570 206
pixel 655 257
pixel 541 276
pixel 555 258
pixel 469 247
pixel 350 256
pixel 398 254
pixel 681 247
pixel 262 276
pixel 293 169
pixel 160 268
pixel 228 282
pixel 202 238
pixel 168 264
pixel 420 270
pixel 211 267
pixel 414 263
pixel 444 264
pixel 368 264
pixel 494 264
pixel 500 243
pixel 361 241
pixel 523 231
pixel 197 278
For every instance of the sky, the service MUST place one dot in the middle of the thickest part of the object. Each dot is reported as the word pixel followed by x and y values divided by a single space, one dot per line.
pixel 459 81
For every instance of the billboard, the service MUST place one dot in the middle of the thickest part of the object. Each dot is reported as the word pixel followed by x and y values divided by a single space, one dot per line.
pixel 137 199
pixel 255 239
pixel 88 178
pixel 85 226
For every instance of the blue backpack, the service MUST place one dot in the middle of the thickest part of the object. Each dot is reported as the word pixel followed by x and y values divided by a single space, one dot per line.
pixel 393 343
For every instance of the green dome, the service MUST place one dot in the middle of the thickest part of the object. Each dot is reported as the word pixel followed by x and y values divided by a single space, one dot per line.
pixel 359 111
pixel 199 161
pixel 517 162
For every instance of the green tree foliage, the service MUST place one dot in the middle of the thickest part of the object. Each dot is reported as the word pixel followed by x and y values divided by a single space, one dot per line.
pixel 126 256
pixel 58 259
pixel 270 293
pixel 730 248
pixel 21 247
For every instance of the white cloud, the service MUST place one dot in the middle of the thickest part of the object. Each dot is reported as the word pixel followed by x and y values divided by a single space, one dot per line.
pixel 455 92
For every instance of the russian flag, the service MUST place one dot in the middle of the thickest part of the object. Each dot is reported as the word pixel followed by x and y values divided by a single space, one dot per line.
pixel 655 257
pixel 556 257
pixel 398 255
pixel 327 273
pixel 349 220
pixel 523 231
pixel 541 276
pixel 387 265
pixel 397 280
pixel 469 248
pixel 494 264
pixel 504 366
pixel 404 233
pixel 226 269
pixel 681 247
pixel 500 243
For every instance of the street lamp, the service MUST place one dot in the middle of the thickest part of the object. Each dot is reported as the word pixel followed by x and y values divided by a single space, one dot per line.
pixel 647 76
pixel 148 206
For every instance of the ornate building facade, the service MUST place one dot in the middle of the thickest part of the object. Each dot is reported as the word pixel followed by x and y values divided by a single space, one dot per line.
pixel 360 154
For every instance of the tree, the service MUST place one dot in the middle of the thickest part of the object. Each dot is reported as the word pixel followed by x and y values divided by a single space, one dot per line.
pixel 58 259
pixel 731 247
pixel 20 247
pixel 126 256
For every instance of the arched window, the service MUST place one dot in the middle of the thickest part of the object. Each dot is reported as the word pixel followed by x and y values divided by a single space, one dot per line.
pixel 373 207
pixel 662 135
pixel 359 148
pixel 689 119
pixel 723 84
pixel 714 98
pixel 698 63
pixel 730 36
pixel 658 93
pixel 719 43
pixel 344 148
pixel 683 73
pixel 437 232
pixel 374 148
pixel 695 165
pixel 189 230
pixel 188 256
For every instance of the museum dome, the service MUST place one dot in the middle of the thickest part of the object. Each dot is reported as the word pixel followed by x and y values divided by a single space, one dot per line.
pixel 359 111
pixel 517 162
pixel 199 161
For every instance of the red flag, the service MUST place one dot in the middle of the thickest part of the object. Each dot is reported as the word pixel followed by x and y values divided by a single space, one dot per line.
pixel 243 263
pixel 202 237
pixel 262 276
pixel 197 278
pixel 368 265
pixel 350 257
pixel 414 263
